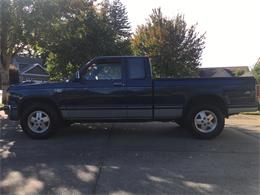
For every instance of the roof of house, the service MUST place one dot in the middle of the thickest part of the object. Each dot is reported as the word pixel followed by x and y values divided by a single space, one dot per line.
pixel 35 69
pixel 30 66
pixel 222 71
pixel 28 60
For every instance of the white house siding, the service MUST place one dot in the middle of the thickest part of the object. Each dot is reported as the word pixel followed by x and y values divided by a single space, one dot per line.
pixel 221 73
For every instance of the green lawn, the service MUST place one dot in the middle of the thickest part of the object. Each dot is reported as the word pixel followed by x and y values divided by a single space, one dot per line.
pixel 251 113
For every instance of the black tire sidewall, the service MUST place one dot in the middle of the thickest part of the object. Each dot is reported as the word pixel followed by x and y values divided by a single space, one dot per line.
pixel 220 121
pixel 40 107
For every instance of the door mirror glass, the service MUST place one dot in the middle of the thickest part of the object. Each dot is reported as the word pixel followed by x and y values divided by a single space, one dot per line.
pixel 77 75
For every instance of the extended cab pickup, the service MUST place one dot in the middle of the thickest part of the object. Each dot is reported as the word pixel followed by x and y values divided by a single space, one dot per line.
pixel 110 89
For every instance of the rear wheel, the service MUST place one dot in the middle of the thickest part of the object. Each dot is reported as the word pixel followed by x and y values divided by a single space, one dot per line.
pixel 206 121
pixel 39 121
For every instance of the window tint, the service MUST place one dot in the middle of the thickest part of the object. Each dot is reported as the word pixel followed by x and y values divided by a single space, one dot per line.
pixel 104 72
pixel 136 68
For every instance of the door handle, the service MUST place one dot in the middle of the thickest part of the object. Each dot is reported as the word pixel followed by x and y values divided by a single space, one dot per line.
pixel 119 84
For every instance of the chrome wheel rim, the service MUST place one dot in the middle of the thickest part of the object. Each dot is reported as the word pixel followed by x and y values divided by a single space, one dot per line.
pixel 38 121
pixel 205 121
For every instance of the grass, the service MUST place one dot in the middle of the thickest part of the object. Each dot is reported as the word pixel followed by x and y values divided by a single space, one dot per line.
pixel 251 113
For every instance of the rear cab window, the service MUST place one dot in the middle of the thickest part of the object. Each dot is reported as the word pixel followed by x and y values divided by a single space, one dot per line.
pixel 136 69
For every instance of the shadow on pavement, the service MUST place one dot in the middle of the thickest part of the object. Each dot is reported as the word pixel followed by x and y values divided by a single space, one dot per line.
pixel 128 158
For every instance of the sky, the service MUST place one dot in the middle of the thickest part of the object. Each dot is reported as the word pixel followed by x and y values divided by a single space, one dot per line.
pixel 232 26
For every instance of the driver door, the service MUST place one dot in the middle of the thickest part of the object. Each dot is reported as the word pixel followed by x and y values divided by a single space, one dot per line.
pixel 101 92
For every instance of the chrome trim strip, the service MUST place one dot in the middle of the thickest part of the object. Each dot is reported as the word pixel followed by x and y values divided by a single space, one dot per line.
pixel 167 113
pixel 167 107
pixel 99 108
pixel 123 114
pixel 140 113
pixel 112 113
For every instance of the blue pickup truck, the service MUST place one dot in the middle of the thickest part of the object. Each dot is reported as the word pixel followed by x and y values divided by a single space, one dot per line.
pixel 113 89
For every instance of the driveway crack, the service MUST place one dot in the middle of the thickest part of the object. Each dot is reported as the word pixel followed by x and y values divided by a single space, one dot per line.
pixel 104 151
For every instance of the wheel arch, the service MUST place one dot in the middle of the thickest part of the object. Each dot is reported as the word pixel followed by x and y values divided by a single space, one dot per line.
pixel 207 99
pixel 41 100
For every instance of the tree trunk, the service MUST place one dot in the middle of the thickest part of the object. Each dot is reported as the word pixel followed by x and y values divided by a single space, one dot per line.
pixel 4 75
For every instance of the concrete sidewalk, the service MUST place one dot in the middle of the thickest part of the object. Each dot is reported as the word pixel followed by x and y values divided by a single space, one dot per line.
pixel 246 123
pixel 2 114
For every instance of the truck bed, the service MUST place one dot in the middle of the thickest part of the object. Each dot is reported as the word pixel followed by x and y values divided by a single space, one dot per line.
pixel 237 92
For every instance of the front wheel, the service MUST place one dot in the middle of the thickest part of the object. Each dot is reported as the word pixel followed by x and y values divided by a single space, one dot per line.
pixel 206 121
pixel 39 121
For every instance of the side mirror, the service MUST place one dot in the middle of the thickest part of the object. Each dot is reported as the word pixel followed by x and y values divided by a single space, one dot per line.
pixel 77 76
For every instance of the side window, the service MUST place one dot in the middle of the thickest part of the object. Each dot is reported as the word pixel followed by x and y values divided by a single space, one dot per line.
pixel 136 68
pixel 106 71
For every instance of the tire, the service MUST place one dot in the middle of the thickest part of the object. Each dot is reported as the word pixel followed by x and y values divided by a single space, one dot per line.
pixel 39 121
pixel 206 121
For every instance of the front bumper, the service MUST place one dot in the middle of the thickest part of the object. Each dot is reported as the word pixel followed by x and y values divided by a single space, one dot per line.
pixel 11 111
pixel 4 108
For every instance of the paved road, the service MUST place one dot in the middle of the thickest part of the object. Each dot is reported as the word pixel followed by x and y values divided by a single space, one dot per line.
pixel 141 158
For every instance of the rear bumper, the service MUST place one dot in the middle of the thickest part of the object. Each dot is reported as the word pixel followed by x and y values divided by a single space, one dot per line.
pixel 11 111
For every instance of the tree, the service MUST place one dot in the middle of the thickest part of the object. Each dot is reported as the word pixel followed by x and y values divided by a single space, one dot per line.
pixel 175 49
pixel 118 20
pixel 120 26
pixel 256 71
pixel 96 30
pixel 12 37
pixel 21 27
pixel 66 33
pixel 238 72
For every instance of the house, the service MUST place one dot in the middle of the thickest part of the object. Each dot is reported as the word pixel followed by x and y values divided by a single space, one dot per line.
pixel 30 69
pixel 225 71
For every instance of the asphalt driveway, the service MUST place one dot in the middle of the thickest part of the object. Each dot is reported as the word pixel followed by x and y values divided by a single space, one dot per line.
pixel 137 158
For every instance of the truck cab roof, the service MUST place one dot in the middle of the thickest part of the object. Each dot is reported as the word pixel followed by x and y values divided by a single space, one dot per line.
pixel 110 57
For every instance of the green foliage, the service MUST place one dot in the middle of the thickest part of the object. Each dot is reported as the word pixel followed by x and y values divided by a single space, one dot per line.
pixel 18 30
pixel 65 33
pixel 175 49
pixel 256 71
pixel 239 72
pixel 15 30
pixel 251 113
pixel 68 33
pixel 85 32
